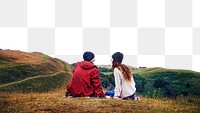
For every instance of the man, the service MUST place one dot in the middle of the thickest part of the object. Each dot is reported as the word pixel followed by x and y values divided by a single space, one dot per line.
pixel 86 79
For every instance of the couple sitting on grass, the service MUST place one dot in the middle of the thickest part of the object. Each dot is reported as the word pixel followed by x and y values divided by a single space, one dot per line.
pixel 86 79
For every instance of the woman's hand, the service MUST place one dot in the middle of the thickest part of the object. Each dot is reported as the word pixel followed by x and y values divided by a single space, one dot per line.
pixel 108 97
pixel 116 97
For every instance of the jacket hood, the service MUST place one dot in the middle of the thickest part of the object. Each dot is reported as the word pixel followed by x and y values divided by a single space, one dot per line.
pixel 86 64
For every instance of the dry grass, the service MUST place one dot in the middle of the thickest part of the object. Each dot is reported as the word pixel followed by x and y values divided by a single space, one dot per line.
pixel 53 102
pixel 19 57
pixel 14 58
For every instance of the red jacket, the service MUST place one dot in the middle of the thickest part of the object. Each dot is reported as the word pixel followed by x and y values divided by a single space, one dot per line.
pixel 85 81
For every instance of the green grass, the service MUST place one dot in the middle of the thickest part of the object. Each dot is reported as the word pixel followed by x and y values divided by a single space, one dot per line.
pixel 144 70
pixel 36 76
pixel 46 58
pixel 41 83
pixel 65 67
pixel 19 72
pixel 107 73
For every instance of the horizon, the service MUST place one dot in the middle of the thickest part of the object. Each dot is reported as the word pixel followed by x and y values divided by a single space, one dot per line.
pixel 105 60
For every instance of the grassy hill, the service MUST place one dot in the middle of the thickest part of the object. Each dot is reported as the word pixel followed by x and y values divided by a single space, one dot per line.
pixel 159 82
pixel 34 82
pixel 31 72
pixel 170 82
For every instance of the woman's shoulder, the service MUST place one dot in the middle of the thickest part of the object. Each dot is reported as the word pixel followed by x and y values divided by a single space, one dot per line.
pixel 116 69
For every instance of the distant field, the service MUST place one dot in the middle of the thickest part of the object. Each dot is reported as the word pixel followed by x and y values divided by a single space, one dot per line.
pixel 107 73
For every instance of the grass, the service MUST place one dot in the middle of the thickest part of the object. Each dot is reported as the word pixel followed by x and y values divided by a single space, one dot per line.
pixel 40 83
pixel 107 73
pixel 34 88
pixel 65 67
pixel 46 58
pixel 25 65
pixel 18 72
pixel 31 72
pixel 54 102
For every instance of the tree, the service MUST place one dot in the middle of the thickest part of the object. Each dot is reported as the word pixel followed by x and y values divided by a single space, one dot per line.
pixel 140 83
pixel 159 83
pixel 188 85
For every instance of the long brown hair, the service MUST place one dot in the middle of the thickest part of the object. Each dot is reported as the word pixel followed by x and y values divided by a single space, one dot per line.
pixel 124 69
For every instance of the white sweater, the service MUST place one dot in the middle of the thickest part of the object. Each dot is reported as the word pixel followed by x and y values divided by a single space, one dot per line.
pixel 123 88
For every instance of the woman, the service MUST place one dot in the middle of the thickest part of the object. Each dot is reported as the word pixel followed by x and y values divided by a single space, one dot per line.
pixel 124 82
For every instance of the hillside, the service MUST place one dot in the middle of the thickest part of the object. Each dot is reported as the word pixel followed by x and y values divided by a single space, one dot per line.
pixel 35 82
pixel 159 82
pixel 31 72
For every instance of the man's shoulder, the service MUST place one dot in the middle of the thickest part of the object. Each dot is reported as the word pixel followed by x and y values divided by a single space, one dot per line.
pixel 95 67
pixel 95 70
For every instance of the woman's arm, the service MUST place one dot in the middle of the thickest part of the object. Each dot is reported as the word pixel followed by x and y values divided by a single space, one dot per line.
pixel 118 81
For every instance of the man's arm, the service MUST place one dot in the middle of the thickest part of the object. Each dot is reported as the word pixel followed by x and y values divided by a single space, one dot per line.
pixel 95 77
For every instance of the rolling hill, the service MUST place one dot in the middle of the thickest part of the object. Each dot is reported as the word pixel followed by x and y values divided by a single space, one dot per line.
pixel 31 72
pixel 34 82
pixel 158 82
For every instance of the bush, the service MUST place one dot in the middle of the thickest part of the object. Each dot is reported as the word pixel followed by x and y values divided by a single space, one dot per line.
pixel 108 81
pixel 160 83
pixel 140 83
pixel 101 69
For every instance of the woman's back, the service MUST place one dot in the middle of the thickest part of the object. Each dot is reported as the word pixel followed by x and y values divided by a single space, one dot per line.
pixel 123 87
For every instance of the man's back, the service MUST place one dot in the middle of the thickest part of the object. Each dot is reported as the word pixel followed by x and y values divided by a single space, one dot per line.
pixel 85 80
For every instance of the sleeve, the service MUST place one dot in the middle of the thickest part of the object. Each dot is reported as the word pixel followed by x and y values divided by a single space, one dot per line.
pixel 118 81
pixel 95 78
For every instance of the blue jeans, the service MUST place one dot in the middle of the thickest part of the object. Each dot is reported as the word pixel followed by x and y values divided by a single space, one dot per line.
pixel 110 93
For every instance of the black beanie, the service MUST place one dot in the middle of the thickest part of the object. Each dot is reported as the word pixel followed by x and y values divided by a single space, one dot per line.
pixel 88 56
pixel 118 57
